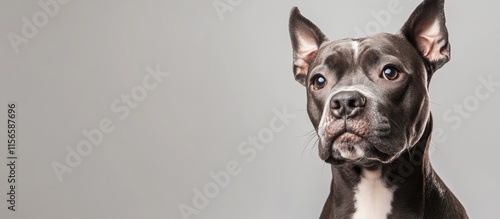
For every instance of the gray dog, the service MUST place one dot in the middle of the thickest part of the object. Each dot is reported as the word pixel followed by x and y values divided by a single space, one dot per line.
pixel 368 100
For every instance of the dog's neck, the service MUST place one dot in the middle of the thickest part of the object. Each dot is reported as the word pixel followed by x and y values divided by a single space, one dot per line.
pixel 387 189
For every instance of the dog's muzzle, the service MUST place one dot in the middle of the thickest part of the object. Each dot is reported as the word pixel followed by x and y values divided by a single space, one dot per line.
pixel 351 129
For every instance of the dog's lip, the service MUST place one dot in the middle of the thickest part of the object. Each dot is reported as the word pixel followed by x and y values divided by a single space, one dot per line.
pixel 334 161
pixel 330 138
pixel 336 135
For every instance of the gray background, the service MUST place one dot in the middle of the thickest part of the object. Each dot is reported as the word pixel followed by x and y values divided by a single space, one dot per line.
pixel 226 77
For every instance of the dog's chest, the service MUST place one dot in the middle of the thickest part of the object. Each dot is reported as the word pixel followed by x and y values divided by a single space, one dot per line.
pixel 372 198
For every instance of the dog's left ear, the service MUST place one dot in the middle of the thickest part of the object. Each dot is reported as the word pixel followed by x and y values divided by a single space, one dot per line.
pixel 426 30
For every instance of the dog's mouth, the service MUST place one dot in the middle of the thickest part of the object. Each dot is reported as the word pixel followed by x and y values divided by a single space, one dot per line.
pixel 365 140
pixel 351 146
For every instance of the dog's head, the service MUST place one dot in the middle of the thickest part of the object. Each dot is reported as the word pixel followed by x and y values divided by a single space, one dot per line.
pixel 368 98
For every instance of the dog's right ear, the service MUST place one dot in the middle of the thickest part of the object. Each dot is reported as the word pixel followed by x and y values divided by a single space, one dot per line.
pixel 306 39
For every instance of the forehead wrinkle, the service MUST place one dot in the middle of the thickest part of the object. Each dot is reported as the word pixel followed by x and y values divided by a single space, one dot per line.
pixel 337 62
pixel 384 43
pixel 340 55
pixel 384 48
pixel 373 58
pixel 370 58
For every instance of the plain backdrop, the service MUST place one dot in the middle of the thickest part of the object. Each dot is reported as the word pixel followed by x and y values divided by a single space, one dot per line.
pixel 227 77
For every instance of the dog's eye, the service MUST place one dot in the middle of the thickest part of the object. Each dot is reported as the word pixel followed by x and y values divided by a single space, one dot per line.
pixel 390 73
pixel 319 82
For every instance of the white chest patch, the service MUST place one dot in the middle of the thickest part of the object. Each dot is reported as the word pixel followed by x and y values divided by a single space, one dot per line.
pixel 372 197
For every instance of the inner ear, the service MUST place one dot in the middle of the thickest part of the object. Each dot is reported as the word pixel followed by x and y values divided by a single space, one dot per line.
pixel 306 42
pixel 432 42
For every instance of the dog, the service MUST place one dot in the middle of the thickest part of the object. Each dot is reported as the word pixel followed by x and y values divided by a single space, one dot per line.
pixel 368 101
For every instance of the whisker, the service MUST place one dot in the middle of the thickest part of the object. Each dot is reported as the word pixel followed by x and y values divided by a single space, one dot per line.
pixel 312 136
pixel 436 103
pixel 434 145
pixel 312 132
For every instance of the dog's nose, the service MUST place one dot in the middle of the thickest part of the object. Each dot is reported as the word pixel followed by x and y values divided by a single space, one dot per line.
pixel 347 104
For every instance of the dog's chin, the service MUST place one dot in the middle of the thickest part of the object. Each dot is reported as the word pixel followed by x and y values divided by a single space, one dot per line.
pixel 365 163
